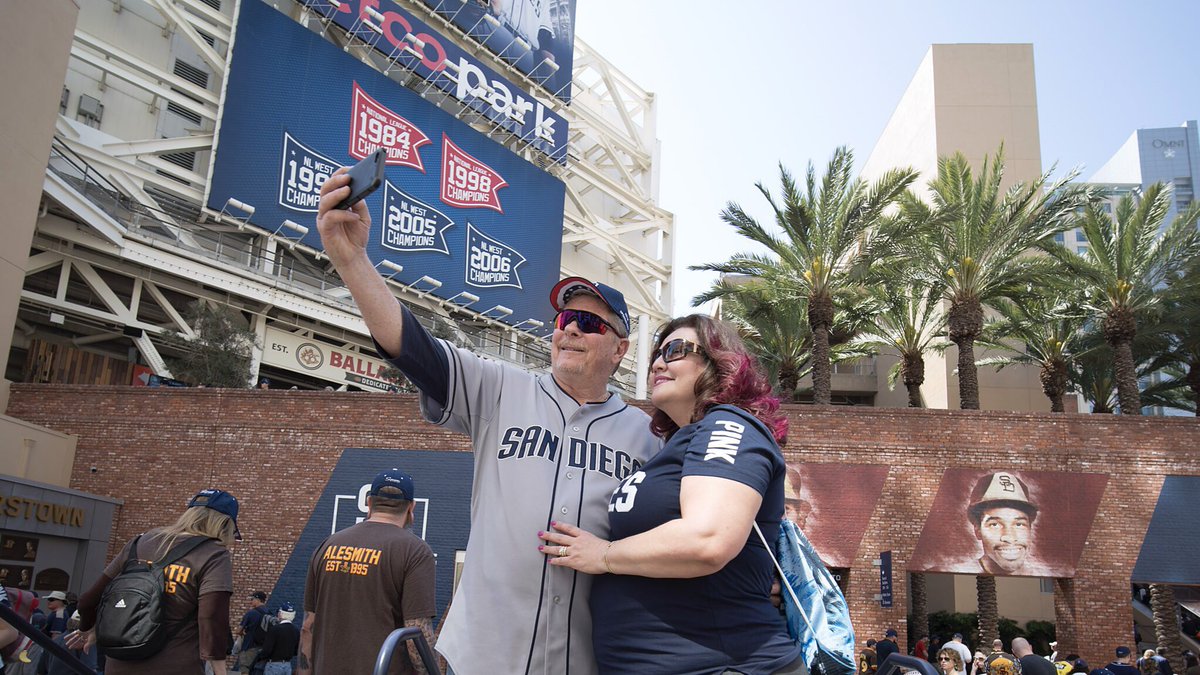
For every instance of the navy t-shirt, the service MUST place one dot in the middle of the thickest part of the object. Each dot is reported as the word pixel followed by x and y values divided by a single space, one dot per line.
pixel 252 627
pixel 706 624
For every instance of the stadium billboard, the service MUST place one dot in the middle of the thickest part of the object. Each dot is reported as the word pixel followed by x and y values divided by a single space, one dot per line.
pixel 535 36
pixel 455 207
pixel 456 71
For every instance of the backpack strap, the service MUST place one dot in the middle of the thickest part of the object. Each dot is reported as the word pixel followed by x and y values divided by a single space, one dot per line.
pixel 179 550
pixel 783 580
pixel 132 557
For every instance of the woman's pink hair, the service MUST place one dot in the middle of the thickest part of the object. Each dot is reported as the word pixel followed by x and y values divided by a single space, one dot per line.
pixel 732 376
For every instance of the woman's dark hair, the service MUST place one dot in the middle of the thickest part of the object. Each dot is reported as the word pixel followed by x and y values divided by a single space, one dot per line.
pixel 731 376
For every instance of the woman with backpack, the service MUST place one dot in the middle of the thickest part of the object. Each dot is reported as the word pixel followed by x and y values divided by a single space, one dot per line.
pixel 684 586
pixel 162 604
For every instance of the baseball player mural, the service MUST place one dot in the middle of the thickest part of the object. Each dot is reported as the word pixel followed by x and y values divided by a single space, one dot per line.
pixel 547 448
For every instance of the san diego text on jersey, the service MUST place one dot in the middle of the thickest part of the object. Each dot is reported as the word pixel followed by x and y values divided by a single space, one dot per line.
pixel 536 442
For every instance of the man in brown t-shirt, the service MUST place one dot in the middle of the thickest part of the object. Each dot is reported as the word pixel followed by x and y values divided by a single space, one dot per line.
pixel 366 581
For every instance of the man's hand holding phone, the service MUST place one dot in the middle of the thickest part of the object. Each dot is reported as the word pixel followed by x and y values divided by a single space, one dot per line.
pixel 342 216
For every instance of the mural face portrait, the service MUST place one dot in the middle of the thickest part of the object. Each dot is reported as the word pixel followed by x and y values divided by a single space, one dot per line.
pixel 1002 515
pixel 1005 534
pixel 1008 522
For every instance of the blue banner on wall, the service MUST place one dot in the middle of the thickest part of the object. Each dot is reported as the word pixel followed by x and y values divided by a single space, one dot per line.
pixel 442 486
pixel 456 206
pixel 463 75
pixel 535 36
pixel 1171 548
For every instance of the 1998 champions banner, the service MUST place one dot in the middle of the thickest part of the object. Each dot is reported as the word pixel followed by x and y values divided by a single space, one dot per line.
pixel 456 206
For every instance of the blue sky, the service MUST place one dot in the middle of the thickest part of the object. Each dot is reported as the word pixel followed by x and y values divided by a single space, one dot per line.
pixel 742 86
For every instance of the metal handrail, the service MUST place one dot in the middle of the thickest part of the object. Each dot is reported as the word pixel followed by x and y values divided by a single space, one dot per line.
pixel 10 616
pixel 384 660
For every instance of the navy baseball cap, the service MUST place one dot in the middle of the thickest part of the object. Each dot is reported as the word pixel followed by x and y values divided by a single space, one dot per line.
pixel 221 502
pixel 891 632
pixel 1122 651
pixel 610 296
pixel 393 478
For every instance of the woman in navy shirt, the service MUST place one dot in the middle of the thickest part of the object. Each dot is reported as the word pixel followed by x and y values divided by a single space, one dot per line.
pixel 684 586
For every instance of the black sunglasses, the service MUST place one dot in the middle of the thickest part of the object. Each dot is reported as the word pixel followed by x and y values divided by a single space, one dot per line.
pixel 677 349
pixel 587 321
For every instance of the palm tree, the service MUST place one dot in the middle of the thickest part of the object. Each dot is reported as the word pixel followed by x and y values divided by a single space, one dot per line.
pixel 1127 264
pixel 909 323
pixel 1180 361
pixel 831 236
pixel 780 338
pixel 1131 257
pixel 976 239
pixel 1040 331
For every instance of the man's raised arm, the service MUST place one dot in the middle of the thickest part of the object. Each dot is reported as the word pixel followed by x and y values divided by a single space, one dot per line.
pixel 344 235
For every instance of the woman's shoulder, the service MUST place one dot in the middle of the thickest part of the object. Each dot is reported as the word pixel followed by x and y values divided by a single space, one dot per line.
pixel 725 415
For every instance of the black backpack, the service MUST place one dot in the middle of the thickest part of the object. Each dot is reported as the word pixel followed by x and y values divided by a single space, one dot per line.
pixel 131 621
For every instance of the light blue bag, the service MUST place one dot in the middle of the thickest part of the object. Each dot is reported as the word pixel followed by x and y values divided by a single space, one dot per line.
pixel 818 617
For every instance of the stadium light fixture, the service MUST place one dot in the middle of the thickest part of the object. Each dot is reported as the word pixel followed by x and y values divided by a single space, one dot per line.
pixel 470 299
pixel 239 205
pixel 391 267
pixel 433 284
pixel 500 310
pixel 409 46
pixel 294 227
pixel 522 48
pixel 551 66
pixel 534 324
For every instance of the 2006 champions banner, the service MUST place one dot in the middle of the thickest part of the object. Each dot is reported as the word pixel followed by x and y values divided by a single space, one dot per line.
pixel 456 206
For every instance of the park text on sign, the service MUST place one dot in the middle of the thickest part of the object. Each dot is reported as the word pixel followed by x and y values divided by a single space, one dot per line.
pixel 45 512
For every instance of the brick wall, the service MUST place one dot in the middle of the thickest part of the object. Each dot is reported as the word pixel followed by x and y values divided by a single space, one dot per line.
pixel 274 449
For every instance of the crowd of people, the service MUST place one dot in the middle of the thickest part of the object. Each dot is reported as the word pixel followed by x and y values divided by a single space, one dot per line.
pixel 955 658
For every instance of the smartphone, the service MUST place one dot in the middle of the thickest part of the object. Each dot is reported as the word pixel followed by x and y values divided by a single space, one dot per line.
pixel 365 178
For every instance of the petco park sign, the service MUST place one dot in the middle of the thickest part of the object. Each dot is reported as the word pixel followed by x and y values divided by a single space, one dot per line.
pixel 321 359
pixel 457 73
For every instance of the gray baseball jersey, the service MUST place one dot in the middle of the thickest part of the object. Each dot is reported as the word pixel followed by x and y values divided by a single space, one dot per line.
pixel 539 457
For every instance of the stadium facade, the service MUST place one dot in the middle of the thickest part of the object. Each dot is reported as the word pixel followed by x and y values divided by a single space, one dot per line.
pixel 156 161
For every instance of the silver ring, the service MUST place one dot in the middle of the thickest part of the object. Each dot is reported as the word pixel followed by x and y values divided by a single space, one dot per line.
pixel 562 551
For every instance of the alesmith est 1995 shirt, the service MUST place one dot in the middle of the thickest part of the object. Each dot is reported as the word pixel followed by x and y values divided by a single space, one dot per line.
pixel 707 624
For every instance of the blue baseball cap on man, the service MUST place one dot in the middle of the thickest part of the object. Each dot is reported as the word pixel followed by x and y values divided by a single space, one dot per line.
pixel 563 290
pixel 393 478
pixel 221 502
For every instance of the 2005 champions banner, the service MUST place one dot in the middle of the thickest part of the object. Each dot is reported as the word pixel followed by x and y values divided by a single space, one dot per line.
pixel 456 206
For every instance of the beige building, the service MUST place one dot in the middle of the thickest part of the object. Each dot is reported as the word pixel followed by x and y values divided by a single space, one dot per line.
pixel 966 98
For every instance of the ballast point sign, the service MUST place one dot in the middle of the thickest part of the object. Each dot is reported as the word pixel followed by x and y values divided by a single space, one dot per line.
pixel 320 359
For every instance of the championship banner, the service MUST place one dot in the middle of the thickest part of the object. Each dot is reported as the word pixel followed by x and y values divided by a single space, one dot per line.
pixel 463 75
pixel 1005 522
pixel 296 108
pixel 442 492
pixel 832 505
pixel 536 36
pixel 320 359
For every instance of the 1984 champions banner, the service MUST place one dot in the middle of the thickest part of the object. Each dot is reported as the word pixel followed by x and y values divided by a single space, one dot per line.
pixel 456 206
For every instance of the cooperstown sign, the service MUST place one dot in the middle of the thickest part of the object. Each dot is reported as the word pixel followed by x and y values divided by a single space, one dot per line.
pixel 325 361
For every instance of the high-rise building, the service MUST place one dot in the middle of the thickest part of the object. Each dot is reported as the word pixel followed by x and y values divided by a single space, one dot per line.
pixel 1169 155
